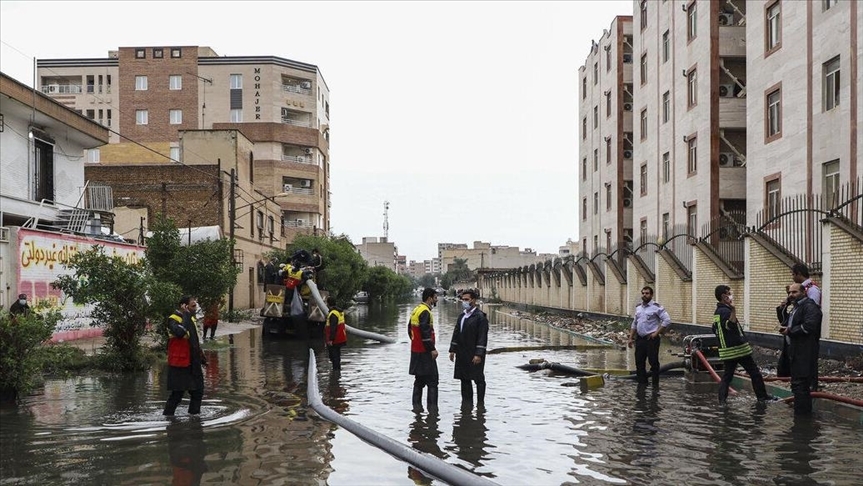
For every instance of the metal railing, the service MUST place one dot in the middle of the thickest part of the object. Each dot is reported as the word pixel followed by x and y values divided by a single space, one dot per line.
pixel 646 250
pixel 847 203
pixel 62 89
pixel 293 88
pixel 298 123
pixel 300 159
pixel 99 197
pixel 302 191
pixel 725 235
pixel 680 243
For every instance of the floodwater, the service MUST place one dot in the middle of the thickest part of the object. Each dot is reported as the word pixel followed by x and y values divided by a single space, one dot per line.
pixel 537 428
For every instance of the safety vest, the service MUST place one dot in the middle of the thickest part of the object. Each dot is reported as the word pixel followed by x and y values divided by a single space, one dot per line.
pixel 732 343
pixel 341 334
pixel 179 348
pixel 417 345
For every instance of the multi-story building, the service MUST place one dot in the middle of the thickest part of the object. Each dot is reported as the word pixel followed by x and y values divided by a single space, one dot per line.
pixel 605 140
pixel 147 95
pixel 486 255
pixel 689 161
pixel 803 102
pixel 378 252
pixel 571 248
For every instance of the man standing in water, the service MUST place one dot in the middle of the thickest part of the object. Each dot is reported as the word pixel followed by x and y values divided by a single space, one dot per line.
pixel 651 321
pixel 423 353
pixel 185 358
pixel 468 348
pixel 804 333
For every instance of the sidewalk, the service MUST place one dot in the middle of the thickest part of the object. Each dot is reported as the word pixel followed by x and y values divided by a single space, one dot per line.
pixel 92 345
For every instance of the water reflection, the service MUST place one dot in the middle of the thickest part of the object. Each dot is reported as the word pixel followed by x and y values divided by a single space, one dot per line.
pixel 798 451
pixel 470 436
pixel 186 452
pixel 424 436
pixel 645 426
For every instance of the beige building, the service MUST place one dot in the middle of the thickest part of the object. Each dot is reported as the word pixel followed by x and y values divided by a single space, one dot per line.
pixel 150 94
pixel 486 255
pixel 605 140
pixel 378 252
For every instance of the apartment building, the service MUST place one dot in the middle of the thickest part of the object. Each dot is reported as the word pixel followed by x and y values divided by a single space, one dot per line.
pixel 690 117
pixel 379 252
pixel 147 95
pixel 486 255
pixel 606 140
pixel 803 103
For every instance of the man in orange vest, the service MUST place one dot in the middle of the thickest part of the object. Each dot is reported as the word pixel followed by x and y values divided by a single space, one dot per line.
pixel 185 358
pixel 423 353
pixel 335 335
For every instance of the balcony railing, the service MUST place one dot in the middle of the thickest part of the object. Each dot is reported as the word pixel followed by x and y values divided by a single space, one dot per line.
pixel 300 159
pixel 301 191
pixel 62 89
pixel 298 123
pixel 292 88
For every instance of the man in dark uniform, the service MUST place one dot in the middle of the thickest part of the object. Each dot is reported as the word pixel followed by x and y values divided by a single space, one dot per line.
pixel 651 321
pixel 423 352
pixel 804 334
pixel 468 348
pixel 20 306
pixel 185 358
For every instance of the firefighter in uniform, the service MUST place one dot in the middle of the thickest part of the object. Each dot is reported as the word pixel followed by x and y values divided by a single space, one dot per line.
pixel 423 353
pixel 185 358
pixel 335 335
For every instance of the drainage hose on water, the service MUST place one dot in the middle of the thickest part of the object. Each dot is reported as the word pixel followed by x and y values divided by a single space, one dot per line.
pixel 711 371
pixel 829 396
pixel 425 462
pixel 352 330
pixel 545 365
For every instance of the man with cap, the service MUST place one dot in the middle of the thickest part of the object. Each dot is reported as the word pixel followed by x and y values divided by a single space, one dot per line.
pixel 20 306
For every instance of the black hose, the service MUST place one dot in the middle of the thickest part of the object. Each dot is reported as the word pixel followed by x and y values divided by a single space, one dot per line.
pixel 427 463
pixel 545 365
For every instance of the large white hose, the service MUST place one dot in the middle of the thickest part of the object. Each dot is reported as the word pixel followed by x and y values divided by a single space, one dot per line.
pixel 427 463
pixel 356 332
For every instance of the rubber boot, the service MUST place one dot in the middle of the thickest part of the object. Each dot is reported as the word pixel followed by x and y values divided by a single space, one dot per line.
pixel 480 393
pixel 431 400
pixel 418 397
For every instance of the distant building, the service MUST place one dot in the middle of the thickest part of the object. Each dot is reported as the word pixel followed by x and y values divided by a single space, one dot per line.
pixel 484 255
pixel 378 252
pixel 571 248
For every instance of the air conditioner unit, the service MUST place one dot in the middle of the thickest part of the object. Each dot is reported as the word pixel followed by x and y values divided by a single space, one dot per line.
pixel 301 222
pixel 287 187
pixel 726 19
pixel 308 151
pixel 301 159
pixel 627 202
pixel 305 183
pixel 306 85
pixel 726 90
pixel 627 58
pixel 627 107
pixel 627 154
pixel 726 159
pixel 53 88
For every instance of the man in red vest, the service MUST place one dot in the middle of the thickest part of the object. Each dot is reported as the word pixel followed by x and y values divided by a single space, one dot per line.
pixel 423 353
pixel 185 358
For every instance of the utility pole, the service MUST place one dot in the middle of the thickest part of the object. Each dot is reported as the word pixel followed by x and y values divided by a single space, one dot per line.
pixel 232 216
pixel 141 232
pixel 386 220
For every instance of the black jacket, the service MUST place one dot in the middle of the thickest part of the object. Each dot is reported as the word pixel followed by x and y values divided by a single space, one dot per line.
pixel 469 342
pixel 804 333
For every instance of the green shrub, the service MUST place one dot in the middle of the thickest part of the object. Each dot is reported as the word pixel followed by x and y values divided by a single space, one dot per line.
pixel 61 359
pixel 19 336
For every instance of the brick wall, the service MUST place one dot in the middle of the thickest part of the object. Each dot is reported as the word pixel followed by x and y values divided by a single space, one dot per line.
pixel 767 276
pixel 843 292
pixel 672 293
pixel 596 294
pixel 633 291
pixel 614 292
pixel 705 277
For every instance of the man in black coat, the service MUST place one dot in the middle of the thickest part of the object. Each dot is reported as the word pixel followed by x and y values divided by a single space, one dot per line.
pixel 804 333
pixel 468 348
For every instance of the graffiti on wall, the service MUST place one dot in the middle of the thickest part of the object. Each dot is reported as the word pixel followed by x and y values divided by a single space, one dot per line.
pixel 42 259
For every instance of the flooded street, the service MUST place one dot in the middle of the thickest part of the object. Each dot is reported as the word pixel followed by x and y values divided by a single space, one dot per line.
pixel 537 428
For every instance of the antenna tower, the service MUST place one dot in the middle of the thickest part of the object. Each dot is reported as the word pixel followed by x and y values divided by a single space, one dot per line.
pixel 386 219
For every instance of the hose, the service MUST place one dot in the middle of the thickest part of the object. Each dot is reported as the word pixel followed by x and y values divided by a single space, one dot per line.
pixel 428 463
pixel 706 364
pixel 829 396
pixel 352 330
pixel 663 370
pixel 545 365
pixel 825 379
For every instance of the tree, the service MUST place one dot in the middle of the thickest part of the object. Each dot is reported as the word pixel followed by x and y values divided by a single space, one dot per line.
pixel 125 297
pixel 344 269
pixel 385 284
pixel 20 336
pixel 427 280
pixel 458 272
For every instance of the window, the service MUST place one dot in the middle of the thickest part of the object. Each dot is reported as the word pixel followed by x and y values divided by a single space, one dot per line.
pixel 237 116
pixel 595 117
pixel 595 203
pixel 584 127
pixel 141 117
pixel 595 160
pixel 175 153
pixel 140 54
pixel 175 82
pixel 642 230
pixel 692 220
pixel 271 225
pixel 666 106
pixel 644 124
pixel 643 72
pixel 772 194
pixel 666 222
pixel 831 84
pixel 607 150
pixel 608 104
pixel 583 88
pixel 774 114
pixel 830 176
pixel 692 154
pixel 643 14
pixel 691 22
pixel 584 169
pixel 236 81
pixel 583 208
pixel 607 196
pixel 94 156
pixel 595 73
pixel 692 88
pixel 607 58
pixel 176 52
pixel 666 47
pixel 826 4
pixel 595 243
pixel 643 180
pixel 140 83
pixel 666 167
pixel 158 53
pixel 176 117
pixel 773 29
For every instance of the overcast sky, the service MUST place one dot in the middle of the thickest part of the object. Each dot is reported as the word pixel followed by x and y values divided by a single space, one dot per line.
pixel 464 116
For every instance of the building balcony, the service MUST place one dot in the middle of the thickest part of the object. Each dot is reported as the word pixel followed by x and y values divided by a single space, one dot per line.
pixel 732 112
pixel 302 88
pixel 300 159
pixel 51 89
pixel 296 122
pixel 732 41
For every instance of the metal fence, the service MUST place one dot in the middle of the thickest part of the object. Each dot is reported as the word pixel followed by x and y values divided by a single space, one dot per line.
pixel 725 235
pixel 680 243
pixel 646 250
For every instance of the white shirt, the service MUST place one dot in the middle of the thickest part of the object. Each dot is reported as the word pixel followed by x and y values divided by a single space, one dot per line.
pixel 464 316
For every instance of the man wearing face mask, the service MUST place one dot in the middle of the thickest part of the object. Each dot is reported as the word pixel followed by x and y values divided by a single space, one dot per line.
pixel 423 353
pixel 468 347
pixel 734 347
pixel 804 333
pixel 20 307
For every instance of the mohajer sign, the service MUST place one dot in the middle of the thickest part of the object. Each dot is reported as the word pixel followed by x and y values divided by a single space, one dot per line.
pixel 42 258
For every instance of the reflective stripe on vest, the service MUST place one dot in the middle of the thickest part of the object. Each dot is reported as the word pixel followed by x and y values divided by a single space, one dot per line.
pixel 341 333
pixel 734 352
pixel 417 345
